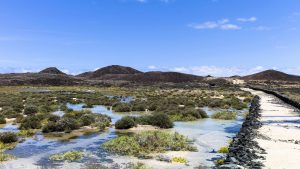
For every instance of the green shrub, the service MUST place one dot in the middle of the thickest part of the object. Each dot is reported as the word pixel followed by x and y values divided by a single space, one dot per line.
pixel 179 160
pixel 219 162
pixel 160 120
pixel 225 115
pixel 223 150
pixel 9 112
pixel 68 124
pixel 5 157
pixel 29 110
pixel 148 142
pixel 52 127
pixel 69 156
pixel 2 119
pixel 87 119
pixel 125 123
pixel 26 133
pixel 30 122
pixel 19 118
pixel 53 118
pixel 8 137
pixel 122 107
pixel 202 113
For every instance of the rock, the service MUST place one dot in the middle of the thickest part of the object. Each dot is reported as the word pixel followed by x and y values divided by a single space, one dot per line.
pixel 164 158
pixel 230 166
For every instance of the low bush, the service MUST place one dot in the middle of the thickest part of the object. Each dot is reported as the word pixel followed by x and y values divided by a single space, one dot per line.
pixel 29 110
pixel 148 142
pixel 30 122
pixel 26 133
pixel 8 137
pixel 179 160
pixel 87 119
pixel 225 115
pixel 5 157
pixel 2 119
pixel 125 123
pixel 122 107
pixel 219 162
pixel 223 150
pixel 68 156
pixel 53 118
pixel 159 120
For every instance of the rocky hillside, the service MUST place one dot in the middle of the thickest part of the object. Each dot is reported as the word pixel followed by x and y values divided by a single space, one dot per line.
pixel 49 76
pixel 52 70
pixel 110 70
pixel 272 75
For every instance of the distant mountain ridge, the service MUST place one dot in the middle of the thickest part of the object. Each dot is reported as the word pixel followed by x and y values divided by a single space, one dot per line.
pixel 272 75
pixel 116 74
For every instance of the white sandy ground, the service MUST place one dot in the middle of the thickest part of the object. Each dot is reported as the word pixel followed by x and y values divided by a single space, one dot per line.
pixel 280 130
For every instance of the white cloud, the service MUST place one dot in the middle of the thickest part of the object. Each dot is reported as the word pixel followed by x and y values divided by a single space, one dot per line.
pixel 251 19
pixel 230 27
pixel 152 67
pixel 221 24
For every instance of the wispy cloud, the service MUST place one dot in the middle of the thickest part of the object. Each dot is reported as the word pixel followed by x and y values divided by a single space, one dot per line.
pixel 251 19
pixel 152 67
pixel 221 24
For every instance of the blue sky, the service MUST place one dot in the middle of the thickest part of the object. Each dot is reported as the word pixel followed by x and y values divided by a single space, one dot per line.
pixel 217 37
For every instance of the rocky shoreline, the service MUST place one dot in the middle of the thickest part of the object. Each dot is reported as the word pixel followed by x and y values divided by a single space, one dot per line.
pixel 243 150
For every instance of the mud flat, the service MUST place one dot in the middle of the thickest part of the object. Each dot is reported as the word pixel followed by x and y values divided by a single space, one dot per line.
pixel 279 134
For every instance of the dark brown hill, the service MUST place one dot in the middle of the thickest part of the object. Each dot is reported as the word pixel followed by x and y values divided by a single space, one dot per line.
pixel 52 70
pixel 174 77
pixel 110 70
pixel 272 75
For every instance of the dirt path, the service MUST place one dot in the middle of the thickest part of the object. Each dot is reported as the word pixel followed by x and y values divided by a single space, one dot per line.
pixel 280 133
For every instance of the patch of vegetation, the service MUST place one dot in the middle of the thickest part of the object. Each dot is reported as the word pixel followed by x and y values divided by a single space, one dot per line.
pixel 126 122
pixel 225 115
pixel 29 110
pixel 5 157
pixel 74 120
pixel 179 160
pixel 26 133
pixel 223 150
pixel 67 156
pixel 8 137
pixel 189 114
pixel 31 122
pixel 219 162
pixel 2 119
pixel 148 142
pixel 137 166
pixel 157 119
pixel 122 107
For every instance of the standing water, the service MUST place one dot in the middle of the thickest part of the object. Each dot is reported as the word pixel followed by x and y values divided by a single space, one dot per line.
pixel 208 135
